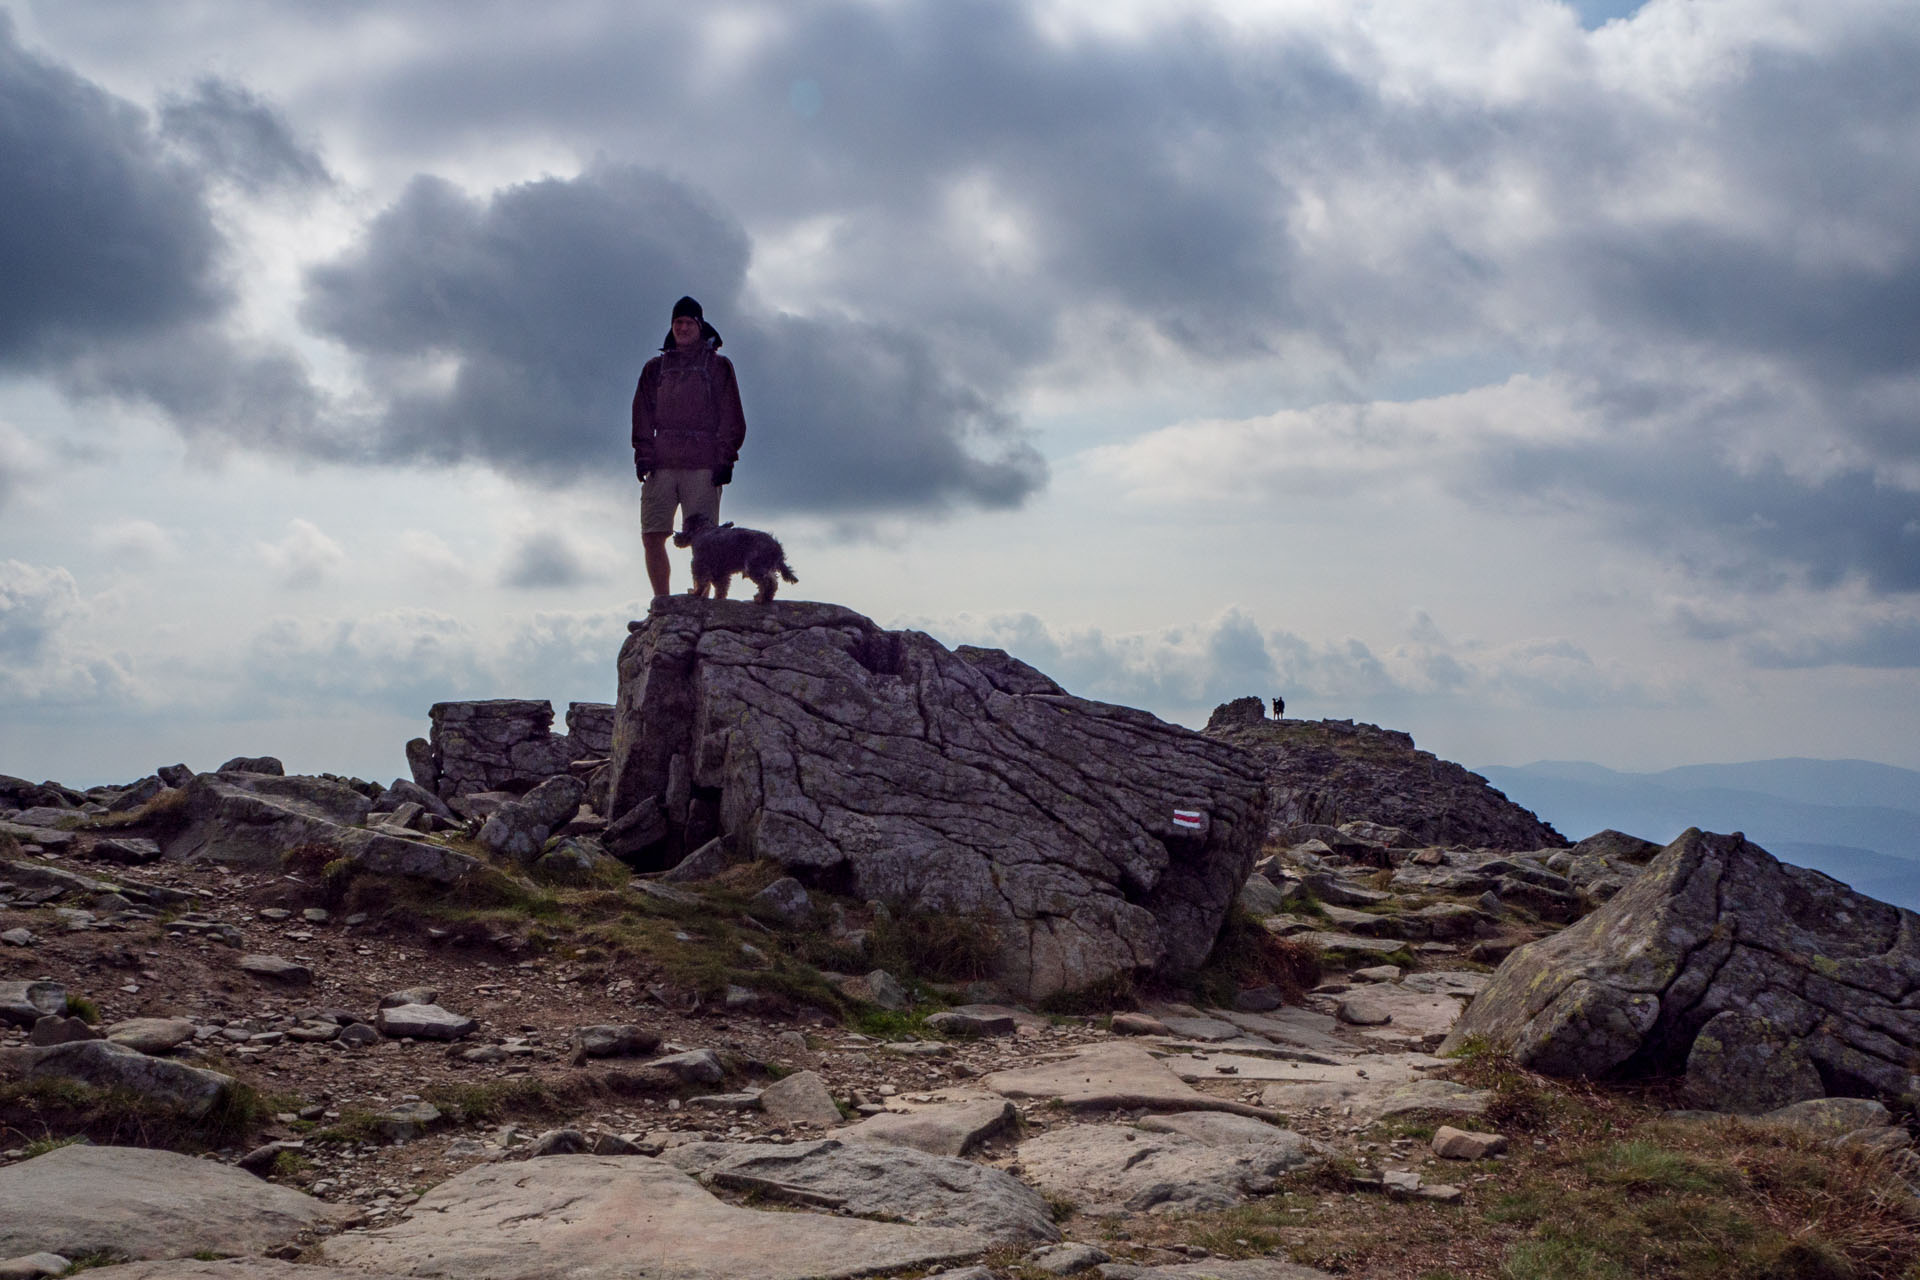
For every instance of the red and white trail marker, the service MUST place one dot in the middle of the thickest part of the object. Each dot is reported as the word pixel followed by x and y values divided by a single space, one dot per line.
pixel 1190 819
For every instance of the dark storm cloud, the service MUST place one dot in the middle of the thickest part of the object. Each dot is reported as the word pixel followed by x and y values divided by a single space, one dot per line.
pixel 1756 527
pixel 101 237
pixel 112 263
pixel 545 560
pixel 237 135
pixel 546 299
pixel 1146 175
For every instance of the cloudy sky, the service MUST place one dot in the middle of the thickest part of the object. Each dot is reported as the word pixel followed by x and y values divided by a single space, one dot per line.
pixel 1540 378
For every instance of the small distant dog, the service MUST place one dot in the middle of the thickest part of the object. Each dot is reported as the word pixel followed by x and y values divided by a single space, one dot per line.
pixel 721 551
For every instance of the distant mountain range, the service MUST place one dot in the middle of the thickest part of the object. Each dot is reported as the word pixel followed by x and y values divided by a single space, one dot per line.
pixel 1855 820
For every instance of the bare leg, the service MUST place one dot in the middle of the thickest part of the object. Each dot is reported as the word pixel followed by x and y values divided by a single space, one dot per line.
pixel 659 570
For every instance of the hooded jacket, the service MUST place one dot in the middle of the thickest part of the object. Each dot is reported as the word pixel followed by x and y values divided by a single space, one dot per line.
pixel 686 411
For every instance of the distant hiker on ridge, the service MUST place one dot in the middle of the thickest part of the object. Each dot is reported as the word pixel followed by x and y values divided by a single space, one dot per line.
pixel 687 430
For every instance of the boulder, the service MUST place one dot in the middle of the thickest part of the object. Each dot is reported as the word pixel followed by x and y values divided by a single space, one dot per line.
pixel 384 853
pixel 1097 842
pixel 878 1181
pixel 519 828
pixel 800 1098
pixel 55 1029
pixel 1763 983
pixel 614 1040
pixel 277 969
pixel 253 819
pixel 406 791
pixel 23 1003
pixel 129 851
pixel 423 1022
pixel 785 900
pixel 136 795
pixel 696 1066
pixel 139 1203
pixel 106 1065
pixel 613 1216
pixel 267 766
pixel 704 863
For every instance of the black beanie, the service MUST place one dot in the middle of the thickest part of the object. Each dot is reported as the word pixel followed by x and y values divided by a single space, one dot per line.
pixel 688 307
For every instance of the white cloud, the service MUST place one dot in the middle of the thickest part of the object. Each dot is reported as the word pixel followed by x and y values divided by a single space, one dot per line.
pixel 47 659
pixel 22 463
pixel 427 557
pixel 305 558
pixel 138 542
pixel 1182 672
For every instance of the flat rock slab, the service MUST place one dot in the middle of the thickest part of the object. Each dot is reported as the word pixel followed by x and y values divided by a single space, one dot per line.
pixel 1416 1014
pixel 1245 1269
pixel 621 1218
pixel 1369 1100
pixel 1302 1028
pixel 1461 983
pixel 1108 1076
pixel 1373 1068
pixel 225 1269
pixel 951 1129
pixel 1109 1170
pixel 877 1181
pixel 146 1204
pixel 1198 1028
pixel 1329 940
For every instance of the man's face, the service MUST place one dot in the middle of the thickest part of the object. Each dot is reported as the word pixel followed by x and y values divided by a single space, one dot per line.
pixel 686 331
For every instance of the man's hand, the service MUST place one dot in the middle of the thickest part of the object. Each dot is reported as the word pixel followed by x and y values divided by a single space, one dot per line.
pixel 723 474
pixel 642 470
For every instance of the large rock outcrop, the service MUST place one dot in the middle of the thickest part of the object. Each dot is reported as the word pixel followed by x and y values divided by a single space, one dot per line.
pixel 1765 983
pixel 1328 772
pixel 883 764
pixel 500 743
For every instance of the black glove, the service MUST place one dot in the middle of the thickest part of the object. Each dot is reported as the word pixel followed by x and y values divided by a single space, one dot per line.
pixel 642 469
pixel 723 474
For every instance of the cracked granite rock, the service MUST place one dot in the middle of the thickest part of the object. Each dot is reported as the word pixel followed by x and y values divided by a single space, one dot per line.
pixel 1764 983
pixel 964 782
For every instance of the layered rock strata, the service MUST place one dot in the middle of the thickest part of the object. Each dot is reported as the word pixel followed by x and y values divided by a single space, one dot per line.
pixel 1094 841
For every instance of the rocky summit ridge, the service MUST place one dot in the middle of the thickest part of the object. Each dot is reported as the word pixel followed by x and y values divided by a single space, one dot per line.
pixel 825 950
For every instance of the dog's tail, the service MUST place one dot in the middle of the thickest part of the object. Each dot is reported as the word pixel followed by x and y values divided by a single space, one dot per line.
pixel 786 570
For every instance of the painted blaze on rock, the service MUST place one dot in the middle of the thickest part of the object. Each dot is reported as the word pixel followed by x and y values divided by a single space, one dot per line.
pixel 1765 983
pixel 882 764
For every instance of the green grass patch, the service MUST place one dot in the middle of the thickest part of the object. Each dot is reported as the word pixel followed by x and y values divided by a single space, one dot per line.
pixel 58 1111
pixel 935 946
pixel 164 813
pixel 84 1009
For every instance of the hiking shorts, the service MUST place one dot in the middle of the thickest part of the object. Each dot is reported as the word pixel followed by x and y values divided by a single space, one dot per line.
pixel 692 491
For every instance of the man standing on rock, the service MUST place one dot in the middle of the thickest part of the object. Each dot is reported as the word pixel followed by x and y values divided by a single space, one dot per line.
pixel 687 430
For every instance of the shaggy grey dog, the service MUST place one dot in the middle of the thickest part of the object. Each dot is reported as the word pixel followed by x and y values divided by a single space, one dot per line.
pixel 721 551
